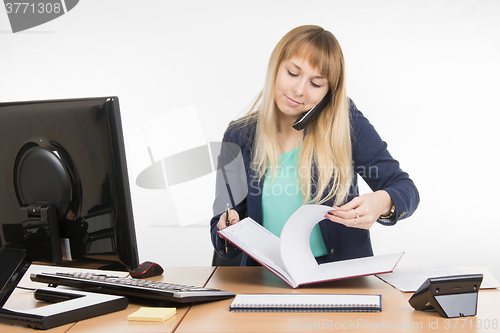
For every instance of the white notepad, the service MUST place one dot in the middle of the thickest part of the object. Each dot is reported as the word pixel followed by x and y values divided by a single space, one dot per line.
pixel 306 303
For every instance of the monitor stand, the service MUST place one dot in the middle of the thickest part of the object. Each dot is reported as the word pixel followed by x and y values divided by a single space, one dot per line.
pixel 68 305
pixel 43 216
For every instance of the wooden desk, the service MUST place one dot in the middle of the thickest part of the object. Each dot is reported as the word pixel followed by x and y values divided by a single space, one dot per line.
pixel 397 314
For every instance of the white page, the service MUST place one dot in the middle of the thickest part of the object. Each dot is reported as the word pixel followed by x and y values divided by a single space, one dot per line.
pixel 298 258
pixel 352 268
pixel 256 240
pixel 409 279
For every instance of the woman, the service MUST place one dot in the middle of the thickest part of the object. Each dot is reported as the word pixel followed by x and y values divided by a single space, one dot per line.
pixel 285 168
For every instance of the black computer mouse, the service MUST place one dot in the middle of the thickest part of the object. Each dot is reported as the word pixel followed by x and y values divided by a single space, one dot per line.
pixel 147 269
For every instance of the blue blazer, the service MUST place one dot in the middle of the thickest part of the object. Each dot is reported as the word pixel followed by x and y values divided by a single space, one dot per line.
pixel 371 160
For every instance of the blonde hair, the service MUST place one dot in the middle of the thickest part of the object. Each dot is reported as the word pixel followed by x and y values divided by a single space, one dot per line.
pixel 327 142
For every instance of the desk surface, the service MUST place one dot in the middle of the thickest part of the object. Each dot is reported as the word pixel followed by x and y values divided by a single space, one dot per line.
pixel 397 314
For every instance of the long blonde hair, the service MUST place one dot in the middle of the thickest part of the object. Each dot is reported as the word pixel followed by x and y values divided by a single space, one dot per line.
pixel 326 155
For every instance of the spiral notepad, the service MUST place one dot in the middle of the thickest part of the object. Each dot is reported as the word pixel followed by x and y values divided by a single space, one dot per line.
pixel 306 303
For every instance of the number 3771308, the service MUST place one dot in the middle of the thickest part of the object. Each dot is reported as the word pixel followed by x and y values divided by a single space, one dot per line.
pixel 457 324
pixel 26 7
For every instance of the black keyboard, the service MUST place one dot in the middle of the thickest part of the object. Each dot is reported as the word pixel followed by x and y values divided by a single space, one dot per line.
pixel 123 286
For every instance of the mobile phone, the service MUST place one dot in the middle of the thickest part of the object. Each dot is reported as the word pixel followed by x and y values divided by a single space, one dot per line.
pixel 307 116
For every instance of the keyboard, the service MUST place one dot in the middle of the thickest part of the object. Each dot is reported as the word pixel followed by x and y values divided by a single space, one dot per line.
pixel 126 286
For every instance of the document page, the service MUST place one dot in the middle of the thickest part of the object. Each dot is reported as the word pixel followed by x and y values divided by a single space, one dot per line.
pixel 259 243
pixel 296 251
pixel 409 279
pixel 353 268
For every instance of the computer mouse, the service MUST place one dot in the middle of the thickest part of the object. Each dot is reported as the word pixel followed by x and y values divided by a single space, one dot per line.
pixel 147 269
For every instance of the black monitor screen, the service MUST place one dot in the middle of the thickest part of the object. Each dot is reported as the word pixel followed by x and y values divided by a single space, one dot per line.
pixel 64 182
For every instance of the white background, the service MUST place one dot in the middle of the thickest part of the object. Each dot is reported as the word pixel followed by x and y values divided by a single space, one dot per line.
pixel 426 74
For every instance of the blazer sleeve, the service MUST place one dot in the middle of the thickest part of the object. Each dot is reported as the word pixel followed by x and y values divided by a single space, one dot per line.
pixel 230 188
pixel 374 163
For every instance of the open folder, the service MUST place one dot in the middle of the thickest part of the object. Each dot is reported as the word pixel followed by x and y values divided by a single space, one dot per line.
pixel 290 257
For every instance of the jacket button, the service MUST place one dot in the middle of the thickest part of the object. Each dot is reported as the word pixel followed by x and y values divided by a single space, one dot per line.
pixel 402 214
pixel 331 251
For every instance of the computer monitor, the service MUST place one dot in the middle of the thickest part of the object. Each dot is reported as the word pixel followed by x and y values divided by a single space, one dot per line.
pixel 64 189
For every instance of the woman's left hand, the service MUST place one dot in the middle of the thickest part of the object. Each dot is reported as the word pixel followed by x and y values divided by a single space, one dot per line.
pixel 363 211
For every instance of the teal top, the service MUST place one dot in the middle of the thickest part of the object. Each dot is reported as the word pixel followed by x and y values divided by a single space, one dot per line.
pixel 281 198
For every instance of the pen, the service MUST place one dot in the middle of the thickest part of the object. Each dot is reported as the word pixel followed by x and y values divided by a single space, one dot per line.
pixel 227 224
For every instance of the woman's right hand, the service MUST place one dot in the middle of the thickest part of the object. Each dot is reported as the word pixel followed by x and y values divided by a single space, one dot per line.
pixel 234 218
